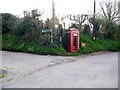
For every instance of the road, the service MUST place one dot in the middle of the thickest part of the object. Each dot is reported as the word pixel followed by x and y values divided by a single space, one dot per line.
pixel 96 70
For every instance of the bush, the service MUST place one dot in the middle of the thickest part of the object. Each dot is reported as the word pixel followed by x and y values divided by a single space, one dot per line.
pixel 55 49
pixel 98 45
pixel 22 46
pixel 111 30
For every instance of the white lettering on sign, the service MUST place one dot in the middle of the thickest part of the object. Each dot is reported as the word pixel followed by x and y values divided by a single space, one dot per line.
pixel 74 34
pixel 46 30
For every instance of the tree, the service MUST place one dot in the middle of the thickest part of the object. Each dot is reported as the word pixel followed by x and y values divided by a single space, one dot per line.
pixel 33 13
pixel 86 30
pixel 31 27
pixel 98 22
pixel 105 28
pixel 109 10
pixel 110 15
pixel 74 26
pixel 8 22
pixel 119 12
pixel 80 19
pixel 24 30
pixel 111 30
pixel 48 24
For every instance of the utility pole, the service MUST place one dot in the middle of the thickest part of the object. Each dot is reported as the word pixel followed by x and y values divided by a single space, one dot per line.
pixel 53 14
pixel 94 23
pixel 53 20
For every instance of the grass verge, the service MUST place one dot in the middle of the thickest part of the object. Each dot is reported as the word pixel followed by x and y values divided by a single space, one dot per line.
pixel 91 46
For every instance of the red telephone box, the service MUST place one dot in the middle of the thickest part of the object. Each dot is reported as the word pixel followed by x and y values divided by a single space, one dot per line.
pixel 73 40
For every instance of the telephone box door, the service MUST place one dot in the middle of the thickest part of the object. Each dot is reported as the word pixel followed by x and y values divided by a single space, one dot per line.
pixel 73 40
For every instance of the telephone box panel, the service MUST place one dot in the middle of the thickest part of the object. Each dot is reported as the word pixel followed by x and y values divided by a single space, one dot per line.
pixel 73 40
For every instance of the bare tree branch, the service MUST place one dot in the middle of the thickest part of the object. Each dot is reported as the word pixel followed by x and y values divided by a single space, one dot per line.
pixel 103 11
pixel 109 10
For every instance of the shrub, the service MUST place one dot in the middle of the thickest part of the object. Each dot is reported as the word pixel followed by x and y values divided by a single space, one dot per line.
pixel 100 44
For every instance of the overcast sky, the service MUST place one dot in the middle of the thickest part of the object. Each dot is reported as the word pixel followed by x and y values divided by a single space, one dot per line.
pixel 62 7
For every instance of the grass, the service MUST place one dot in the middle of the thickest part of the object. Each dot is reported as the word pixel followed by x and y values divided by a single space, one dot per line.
pixel 2 76
pixel 23 46
pixel 91 46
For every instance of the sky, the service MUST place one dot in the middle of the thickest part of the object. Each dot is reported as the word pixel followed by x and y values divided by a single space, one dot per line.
pixel 62 7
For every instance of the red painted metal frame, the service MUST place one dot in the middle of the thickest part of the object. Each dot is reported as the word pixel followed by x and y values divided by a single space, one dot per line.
pixel 71 33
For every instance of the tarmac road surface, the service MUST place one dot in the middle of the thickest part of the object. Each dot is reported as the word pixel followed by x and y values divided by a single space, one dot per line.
pixel 96 70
